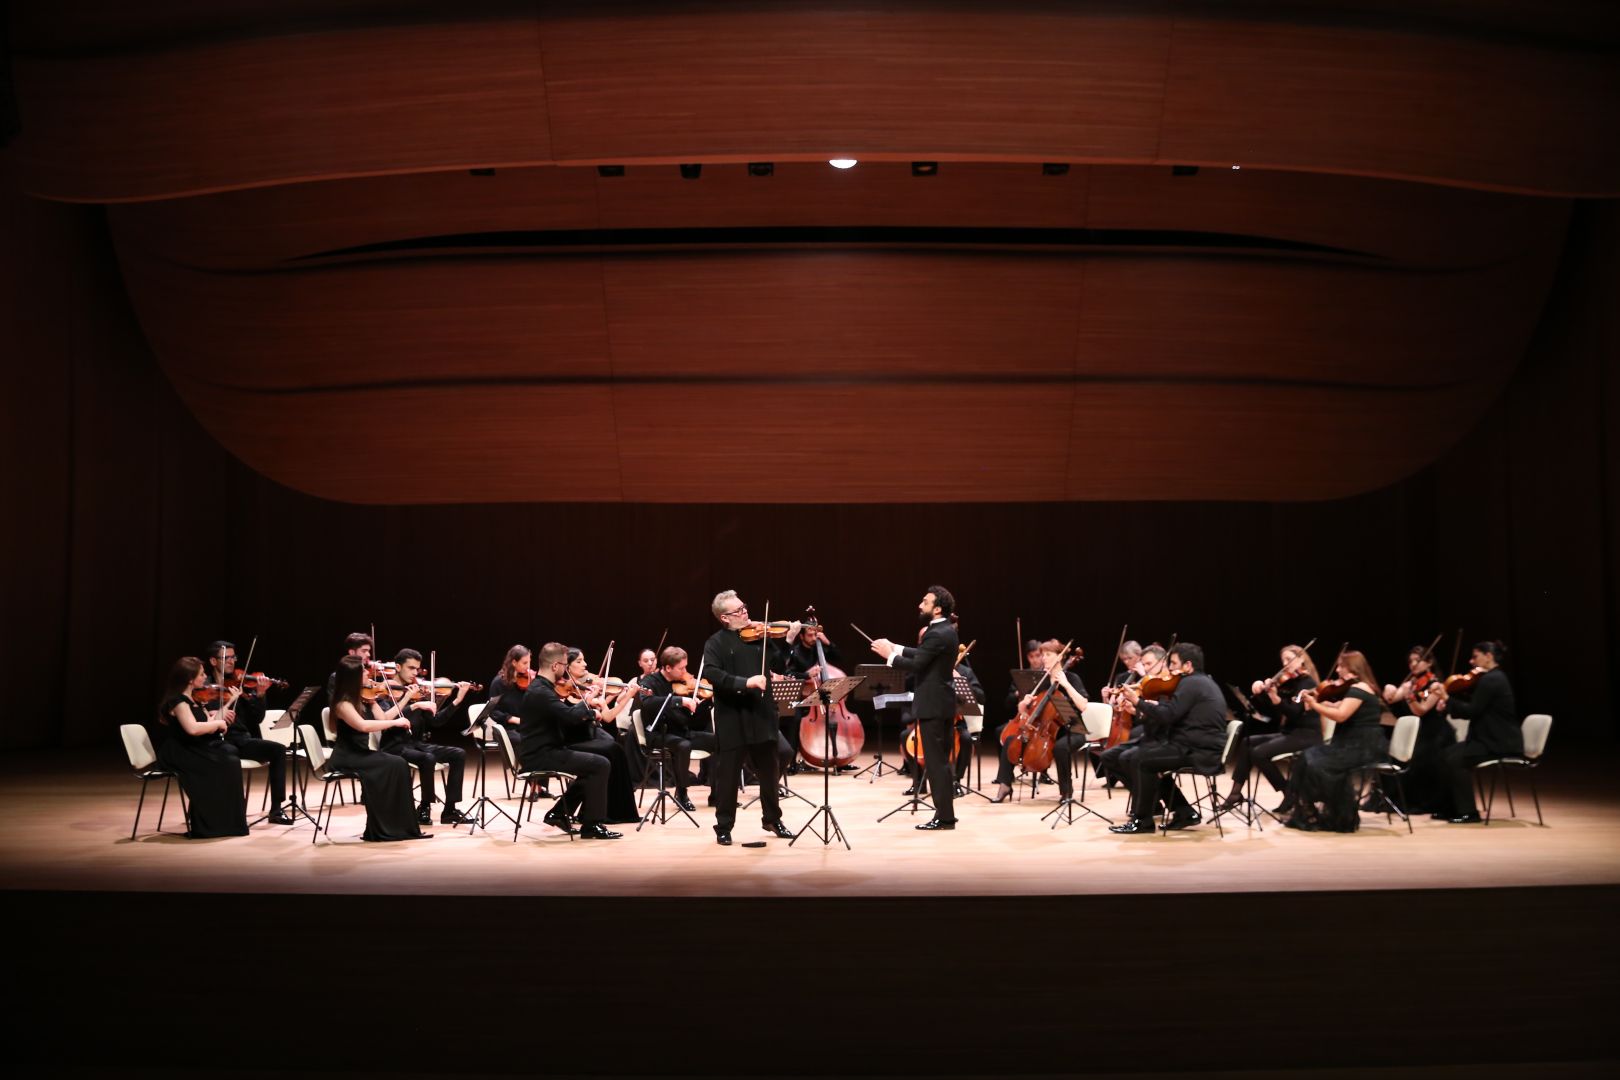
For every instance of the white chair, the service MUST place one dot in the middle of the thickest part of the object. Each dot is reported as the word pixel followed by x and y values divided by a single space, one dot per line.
pixel 528 778
pixel 1459 727
pixel 1534 733
pixel 659 756
pixel 143 759
pixel 327 724
pixel 486 743
pixel 248 765
pixel 1401 744
pixel 324 773
pixel 1097 718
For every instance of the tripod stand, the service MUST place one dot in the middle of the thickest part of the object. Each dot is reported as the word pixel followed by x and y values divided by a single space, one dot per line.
pixel 480 730
pixel 296 796
pixel 883 687
pixel 825 695
pixel 660 754
pixel 1064 810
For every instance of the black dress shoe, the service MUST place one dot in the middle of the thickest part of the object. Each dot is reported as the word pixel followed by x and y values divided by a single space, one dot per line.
pixel 845 768
pixel 1471 818
pixel 910 790
pixel 454 817
pixel 779 831
pixel 723 839
pixel 1183 820
pixel 936 826
pixel 424 814
pixel 557 818
pixel 684 803
pixel 596 831
pixel 959 792
pixel 1134 827
pixel 278 818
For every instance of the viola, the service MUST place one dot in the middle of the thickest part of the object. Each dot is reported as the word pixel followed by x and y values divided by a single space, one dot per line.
pixel 1150 688
pixel 1464 682
pixel 689 686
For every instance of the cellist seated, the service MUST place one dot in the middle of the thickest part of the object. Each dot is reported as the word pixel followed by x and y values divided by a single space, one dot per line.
pixel 1067 742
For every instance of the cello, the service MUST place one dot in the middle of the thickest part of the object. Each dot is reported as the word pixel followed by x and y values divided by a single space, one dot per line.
pixel 1029 736
pixel 827 741
pixel 912 746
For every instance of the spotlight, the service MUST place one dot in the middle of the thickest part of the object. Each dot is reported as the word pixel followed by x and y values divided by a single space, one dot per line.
pixel 1235 168
pixel 1054 168
pixel 842 162
pixel 760 168
pixel 924 168
pixel 610 170
pixel 691 172
pixel 1183 170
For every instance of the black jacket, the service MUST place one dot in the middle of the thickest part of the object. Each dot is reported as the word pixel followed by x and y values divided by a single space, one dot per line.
pixel 674 719
pixel 550 723
pixel 1193 718
pixel 1493 720
pixel 741 716
pixel 932 662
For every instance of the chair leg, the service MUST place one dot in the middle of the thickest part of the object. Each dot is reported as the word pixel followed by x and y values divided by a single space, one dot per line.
pixel 1400 791
pixel 138 804
pixel 1490 798
pixel 1220 829
pixel 164 805
pixel 1507 788
pixel 518 822
pixel 1535 795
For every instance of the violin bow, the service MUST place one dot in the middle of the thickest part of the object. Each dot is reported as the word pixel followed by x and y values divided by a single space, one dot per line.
pixel 1114 667
pixel 1018 628
pixel 765 644
pixel 1456 652
pixel 658 652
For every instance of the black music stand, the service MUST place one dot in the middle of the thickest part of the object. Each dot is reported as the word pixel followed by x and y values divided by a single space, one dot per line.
pixel 786 693
pixel 295 789
pixel 828 694
pixel 881 681
pixel 970 707
pixel 1026 680
pixel 483 731
pixel 660 805
pixel 1248 809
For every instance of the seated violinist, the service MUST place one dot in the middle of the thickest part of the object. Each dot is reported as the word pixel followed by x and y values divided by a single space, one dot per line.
pixel 410 743
pixel 1067 683
pixel 1422 695
pixel 1484 698
pixel 1187 727
pixel 668 712
pixel 1147 663
pixel 575 688
pixel 1279 697
pixel 242 725
pixel 1322 787
pixel 552 729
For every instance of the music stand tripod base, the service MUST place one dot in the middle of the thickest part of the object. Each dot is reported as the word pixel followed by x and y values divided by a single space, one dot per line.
pixel 828 694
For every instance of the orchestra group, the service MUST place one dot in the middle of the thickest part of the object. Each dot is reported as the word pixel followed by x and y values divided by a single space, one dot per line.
pixel 561 719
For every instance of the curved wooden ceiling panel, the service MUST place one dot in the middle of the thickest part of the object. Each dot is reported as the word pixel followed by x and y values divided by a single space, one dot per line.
pixel 737 82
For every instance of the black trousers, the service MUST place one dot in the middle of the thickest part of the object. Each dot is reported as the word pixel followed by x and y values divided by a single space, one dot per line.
pixel 936 752
pixel 1258 751
pixel 587 796
pixel 1458 761
pixel 621 796
pixel 274 756
pixel 725 769
pixel 1141 766
pixel 427 755
pixel 964 756
pixel 679 749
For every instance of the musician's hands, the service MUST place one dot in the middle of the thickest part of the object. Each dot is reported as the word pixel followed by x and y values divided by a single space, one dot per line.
pixel 757 682
pixel 884 647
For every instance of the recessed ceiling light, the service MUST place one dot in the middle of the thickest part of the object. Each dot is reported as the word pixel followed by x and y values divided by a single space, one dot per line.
pixel 842 162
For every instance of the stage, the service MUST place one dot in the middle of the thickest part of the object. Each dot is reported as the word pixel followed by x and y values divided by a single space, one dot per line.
pixel 1005 947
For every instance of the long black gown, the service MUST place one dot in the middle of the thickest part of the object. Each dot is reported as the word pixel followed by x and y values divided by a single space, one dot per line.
pixel 210 773
pixel 385 785
pixel 1321 782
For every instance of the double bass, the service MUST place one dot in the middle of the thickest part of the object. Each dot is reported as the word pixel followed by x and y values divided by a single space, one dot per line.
pixel 1029 736
pixel 827 742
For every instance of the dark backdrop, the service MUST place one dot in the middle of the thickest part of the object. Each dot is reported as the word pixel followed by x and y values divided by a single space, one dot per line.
pixel 133 538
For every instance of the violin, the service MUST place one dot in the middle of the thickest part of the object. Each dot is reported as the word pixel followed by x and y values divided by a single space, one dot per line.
pixel 755 630
pixel 212 694
pixel 1329 690
pixel 614 685
pixel 689 686
pixel 522 679
pixel 828 737
pixel 1464 682
pixel 250 682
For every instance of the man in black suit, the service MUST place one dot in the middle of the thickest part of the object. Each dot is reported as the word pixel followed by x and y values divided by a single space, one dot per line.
pixel 933 699
pixel 744 715
pixel 1186 728
pixel 549 725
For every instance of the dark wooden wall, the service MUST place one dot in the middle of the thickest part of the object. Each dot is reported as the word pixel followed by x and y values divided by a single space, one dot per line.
pixel 134 538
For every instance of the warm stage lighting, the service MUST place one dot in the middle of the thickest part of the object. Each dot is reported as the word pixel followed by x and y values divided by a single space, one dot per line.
pixel 924 168
pixel 842 162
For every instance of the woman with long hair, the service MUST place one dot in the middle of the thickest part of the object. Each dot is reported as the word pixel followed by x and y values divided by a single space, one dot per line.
pixel 385 779
pixel 1279 698
pixel 194 746
pixel 1321 787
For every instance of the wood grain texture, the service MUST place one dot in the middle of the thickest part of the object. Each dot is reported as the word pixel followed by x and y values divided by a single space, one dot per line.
pixel 732 83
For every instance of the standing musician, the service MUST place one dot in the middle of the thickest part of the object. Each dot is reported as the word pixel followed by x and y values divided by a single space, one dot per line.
pixel 549 725
pixel 1147 663
pixel 667 718
pixel 1186 728
pixel 1278 697
pixel 744 715
pixel 242 727
pixel 1322 786
pixel 1048 658
pixel 934 699
pixel 1493 729
pixel 411 742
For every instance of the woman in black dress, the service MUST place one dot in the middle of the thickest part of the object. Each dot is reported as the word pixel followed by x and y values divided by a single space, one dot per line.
pixel 1321 786
pixel 194 746
pixel 385 779
pixel 1300 729
pixel 621 787
pixel 1422 695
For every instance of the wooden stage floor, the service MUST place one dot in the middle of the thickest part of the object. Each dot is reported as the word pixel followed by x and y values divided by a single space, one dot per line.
pixel 68 821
